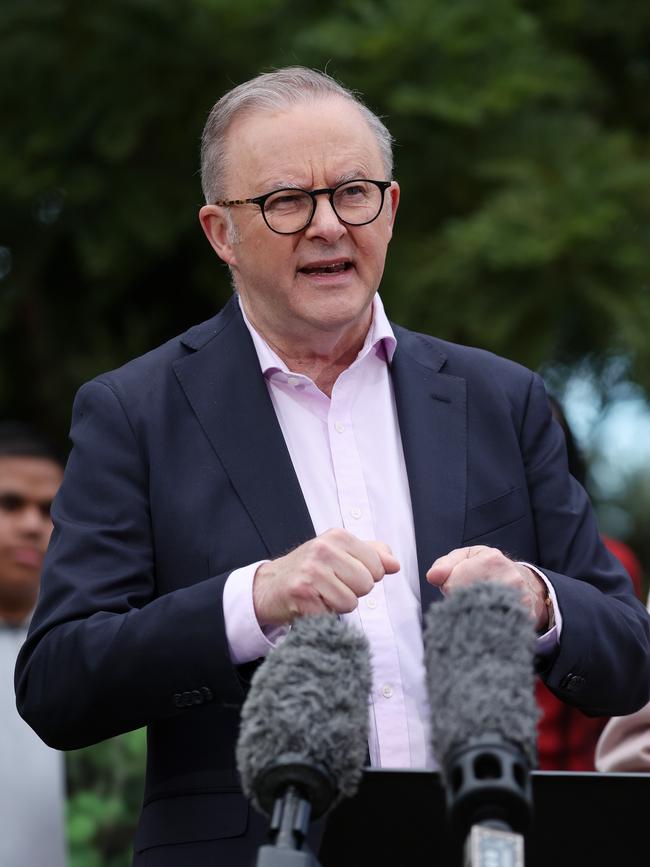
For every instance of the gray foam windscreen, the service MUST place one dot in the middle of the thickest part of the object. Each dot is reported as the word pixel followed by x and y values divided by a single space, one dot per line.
pixel 309 698
pixel 479 651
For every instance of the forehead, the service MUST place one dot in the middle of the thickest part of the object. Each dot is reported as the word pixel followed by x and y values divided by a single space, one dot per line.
pixel 311 143
pixel 30 477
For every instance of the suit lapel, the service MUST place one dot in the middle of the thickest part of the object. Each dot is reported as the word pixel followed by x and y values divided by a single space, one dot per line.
pixel 225 387
pixel 223 383
pixel 432 411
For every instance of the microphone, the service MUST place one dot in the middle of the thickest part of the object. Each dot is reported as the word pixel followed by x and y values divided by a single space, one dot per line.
pixel 304 731
pixel 480 647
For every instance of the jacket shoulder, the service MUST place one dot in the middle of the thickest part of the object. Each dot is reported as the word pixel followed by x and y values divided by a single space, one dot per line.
pixel 455 359
pixel 156 366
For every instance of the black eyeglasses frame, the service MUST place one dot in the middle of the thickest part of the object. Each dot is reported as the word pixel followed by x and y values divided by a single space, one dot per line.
pixel 260 201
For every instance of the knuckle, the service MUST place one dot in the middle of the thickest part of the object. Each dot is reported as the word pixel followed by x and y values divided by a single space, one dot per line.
pixel 348 605
pixel 367 584
pixel 318 553
pixel 375 570
pixel 336 534
pixel 300 586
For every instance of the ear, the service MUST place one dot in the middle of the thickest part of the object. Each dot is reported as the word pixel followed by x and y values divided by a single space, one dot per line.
pixel 393 197
pixel 214 224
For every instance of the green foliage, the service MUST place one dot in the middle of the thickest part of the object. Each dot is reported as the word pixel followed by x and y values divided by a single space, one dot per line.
pixel 105 784
pixel 521 150
pixel 522 133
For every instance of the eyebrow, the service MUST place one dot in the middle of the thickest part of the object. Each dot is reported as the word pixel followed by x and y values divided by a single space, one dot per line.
pixel 356 174
pixel 284 184
pixel 19 500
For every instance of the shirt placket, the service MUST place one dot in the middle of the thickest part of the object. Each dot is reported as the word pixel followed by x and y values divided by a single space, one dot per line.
pixel 387 705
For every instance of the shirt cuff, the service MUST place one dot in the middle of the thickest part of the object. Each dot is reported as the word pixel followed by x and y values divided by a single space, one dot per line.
pixel 547 642
pixel 246 638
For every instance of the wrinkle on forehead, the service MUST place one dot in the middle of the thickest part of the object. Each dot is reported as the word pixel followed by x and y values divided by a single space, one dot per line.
pixel 293 181
pixel 309 145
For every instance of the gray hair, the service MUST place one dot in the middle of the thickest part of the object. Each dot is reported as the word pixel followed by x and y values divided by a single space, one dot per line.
pixel 272 91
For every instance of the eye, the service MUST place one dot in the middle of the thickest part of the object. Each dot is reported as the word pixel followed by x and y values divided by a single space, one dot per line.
pixel 355 193
pixel 354 190
pixel 287 201
pixel 11 502
pixel 45 508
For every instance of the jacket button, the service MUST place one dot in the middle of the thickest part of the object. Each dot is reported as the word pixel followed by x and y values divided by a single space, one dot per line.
pixel 197 698
pixel 572 682
pixel 178 699
pixel 206 692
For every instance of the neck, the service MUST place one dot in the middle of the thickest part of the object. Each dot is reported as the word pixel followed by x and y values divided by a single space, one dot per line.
pixel 323 370
pixel 323 356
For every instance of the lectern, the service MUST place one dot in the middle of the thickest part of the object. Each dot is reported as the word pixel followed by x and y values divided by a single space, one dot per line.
pixel 397 819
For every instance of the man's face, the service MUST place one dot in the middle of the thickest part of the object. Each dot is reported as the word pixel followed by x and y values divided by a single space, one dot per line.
pixel 320 281
pixel 27 488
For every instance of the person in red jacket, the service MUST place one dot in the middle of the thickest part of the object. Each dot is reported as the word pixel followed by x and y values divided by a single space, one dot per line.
pixel 566 737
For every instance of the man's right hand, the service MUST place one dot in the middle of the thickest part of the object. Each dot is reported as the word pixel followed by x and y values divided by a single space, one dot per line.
pixel 328 573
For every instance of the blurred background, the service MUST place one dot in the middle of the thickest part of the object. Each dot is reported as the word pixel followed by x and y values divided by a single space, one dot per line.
pixel 522 149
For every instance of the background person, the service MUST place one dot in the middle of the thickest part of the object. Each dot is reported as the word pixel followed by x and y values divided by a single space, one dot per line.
pixel 624 745
pixel 31 774
pixel 298 453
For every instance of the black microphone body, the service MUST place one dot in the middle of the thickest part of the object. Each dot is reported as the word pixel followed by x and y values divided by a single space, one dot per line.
pixel 304 732
pixel 480 645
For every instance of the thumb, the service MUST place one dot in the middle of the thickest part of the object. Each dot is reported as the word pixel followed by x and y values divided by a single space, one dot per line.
pixel 442 568
pixel 388 559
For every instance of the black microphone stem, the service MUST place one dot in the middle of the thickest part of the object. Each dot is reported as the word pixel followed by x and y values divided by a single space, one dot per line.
pixel 290 820
pixel 288 830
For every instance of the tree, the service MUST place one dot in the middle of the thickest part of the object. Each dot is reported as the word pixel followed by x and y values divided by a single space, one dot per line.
pixel 522 152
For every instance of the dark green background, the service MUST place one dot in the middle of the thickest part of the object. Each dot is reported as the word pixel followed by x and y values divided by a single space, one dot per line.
pixel 522 150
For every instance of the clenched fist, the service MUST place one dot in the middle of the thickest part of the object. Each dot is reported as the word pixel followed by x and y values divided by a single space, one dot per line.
pixel 328 573
pixel 465 566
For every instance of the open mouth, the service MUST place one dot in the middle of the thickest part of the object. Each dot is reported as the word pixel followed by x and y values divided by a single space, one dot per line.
pixel 326 268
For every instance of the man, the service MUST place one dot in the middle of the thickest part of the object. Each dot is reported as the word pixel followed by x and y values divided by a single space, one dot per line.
pixel 31 774
pixel 298 454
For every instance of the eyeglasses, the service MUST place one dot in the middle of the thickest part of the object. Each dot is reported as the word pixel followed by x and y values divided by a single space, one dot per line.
pixel 290 210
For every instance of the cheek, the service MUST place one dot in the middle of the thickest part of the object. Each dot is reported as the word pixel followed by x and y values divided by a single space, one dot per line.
pixel 5 530
pixel 374 254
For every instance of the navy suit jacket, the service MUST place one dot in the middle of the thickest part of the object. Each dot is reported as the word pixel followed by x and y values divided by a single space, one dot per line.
pixel 179 474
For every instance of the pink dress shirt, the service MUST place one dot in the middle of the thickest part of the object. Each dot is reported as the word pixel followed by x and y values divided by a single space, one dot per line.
pixel 347 454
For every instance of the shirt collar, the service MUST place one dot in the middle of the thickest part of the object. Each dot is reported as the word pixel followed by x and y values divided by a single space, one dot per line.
pixel 380 337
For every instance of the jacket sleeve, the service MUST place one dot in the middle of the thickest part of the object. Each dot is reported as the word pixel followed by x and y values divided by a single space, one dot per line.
pixel 106 652
pixel 602 663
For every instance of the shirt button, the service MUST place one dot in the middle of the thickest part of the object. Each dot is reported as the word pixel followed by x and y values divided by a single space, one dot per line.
pixel 371 603
pixel 356 513
pixel 294 381
pixel 387 690
pixel 339 427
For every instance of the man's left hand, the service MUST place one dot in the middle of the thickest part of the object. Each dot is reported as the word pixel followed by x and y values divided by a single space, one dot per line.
pixel 465 566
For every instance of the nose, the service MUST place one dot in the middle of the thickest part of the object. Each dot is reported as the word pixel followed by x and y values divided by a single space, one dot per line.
pixel 32 522
pixel 325 224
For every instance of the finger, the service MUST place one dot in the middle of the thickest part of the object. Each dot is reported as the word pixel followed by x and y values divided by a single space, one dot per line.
pixel 389 561
pixel 442 568
pixel 325 591
pixel 489 565
pixel 377 557
pixel 337 596
pixel 339 558
pixel 355 574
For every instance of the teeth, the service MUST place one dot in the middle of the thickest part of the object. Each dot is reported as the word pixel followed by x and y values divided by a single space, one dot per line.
pixel 327 269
